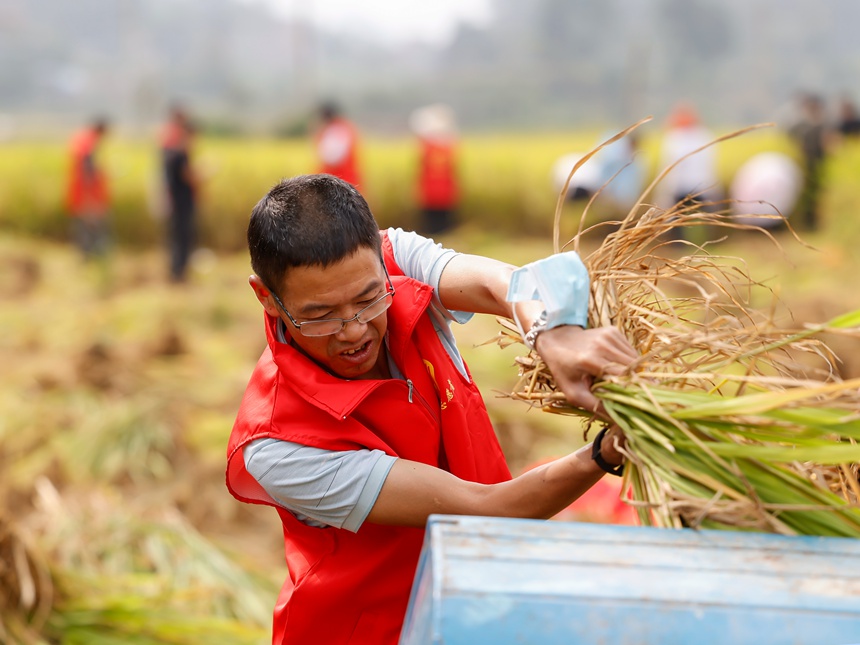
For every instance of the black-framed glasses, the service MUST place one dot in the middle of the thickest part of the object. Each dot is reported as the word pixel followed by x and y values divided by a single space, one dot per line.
pixel 331 326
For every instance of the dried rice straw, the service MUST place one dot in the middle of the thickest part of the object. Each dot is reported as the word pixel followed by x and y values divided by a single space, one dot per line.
pixel 725 427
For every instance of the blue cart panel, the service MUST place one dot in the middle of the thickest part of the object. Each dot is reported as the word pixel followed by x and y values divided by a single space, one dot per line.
pixel 507 581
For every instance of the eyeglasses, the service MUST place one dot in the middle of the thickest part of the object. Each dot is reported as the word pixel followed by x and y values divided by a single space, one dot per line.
pixel 331 326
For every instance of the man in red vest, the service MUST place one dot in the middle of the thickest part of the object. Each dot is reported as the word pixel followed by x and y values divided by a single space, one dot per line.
pixel 337 145
pixel 361 418
pixel 87 196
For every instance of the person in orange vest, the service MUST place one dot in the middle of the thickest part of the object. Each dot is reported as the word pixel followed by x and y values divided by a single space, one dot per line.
pixel 361 418
pixel 87 195
pixel 173 130
pixel 336 143
pixel 438 186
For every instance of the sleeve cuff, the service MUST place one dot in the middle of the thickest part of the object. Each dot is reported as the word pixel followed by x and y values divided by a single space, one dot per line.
pixel 369 493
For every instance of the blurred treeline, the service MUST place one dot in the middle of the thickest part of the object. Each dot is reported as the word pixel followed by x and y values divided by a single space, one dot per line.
pixel 507 185
pixel 540 64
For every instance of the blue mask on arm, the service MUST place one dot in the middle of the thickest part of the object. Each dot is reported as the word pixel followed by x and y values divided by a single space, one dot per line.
pixel 561 282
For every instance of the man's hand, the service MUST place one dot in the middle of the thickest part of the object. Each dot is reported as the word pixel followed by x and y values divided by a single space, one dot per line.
pixel 577 356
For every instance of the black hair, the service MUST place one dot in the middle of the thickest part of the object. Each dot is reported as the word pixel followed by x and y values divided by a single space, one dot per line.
pixel 308 220
pixel 100 123
pixel 329 110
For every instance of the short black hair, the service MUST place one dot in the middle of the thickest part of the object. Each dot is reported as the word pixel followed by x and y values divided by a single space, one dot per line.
pixel 329 110
pixel 100 123
pixel 308 220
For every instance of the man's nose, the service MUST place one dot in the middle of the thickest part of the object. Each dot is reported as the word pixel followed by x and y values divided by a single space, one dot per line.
pixel 352 330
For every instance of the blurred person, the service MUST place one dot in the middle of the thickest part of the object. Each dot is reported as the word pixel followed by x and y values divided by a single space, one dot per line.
pixel 337 145
pixel 813 138
pixel 764 190
pixel 694 180
pixel 181 187
pixel 623 170
pixel 361 418
pixel 438 185
pixel 585 182
pixel 87 195
pixel 849 119
pixel 615 170
pixel 173 129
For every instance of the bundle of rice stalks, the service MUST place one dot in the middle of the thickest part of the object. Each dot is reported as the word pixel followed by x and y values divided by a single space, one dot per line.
pixel 727 424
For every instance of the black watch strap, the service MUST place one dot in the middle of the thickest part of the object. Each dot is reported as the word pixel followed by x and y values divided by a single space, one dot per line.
pixel 598 458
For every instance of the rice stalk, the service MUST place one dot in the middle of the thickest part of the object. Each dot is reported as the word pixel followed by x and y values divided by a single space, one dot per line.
pixel 26 588
pixel 726 426
pixel 129 575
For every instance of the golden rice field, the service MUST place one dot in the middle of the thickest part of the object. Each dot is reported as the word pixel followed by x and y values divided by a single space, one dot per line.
pixel 118 390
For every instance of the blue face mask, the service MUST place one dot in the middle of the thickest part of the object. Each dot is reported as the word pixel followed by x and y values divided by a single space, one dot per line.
pixel 561 282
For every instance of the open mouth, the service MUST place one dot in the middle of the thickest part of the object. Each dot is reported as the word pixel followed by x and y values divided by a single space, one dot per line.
pixel 356 351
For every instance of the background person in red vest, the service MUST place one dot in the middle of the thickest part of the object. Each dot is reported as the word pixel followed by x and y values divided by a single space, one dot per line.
pixel 336 144
pixel 87 195
pixel 361 418
pixel 438 185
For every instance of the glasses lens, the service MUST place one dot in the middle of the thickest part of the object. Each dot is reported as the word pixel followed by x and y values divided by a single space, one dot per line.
pixel 331 326
pixel 374 309
pixel 321 327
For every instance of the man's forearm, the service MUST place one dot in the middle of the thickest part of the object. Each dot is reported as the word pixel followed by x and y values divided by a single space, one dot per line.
pixel 414 491
pixel 545 490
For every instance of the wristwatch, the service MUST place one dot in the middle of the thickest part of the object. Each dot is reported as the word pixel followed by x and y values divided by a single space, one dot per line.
pixel 598 458
pixel 538 326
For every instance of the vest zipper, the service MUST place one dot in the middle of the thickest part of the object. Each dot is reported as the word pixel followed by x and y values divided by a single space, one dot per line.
pixel 415 395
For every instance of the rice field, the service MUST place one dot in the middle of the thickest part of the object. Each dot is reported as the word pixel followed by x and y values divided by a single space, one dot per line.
pixel 118 389
pixel 506 181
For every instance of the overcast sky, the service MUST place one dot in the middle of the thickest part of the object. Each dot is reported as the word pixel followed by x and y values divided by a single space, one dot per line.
pixel 390 20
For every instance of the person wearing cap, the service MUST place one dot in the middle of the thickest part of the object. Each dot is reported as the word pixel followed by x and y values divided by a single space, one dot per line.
pixel 694 177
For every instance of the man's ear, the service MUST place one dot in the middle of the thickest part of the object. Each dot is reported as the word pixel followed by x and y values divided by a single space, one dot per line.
pixel 264 296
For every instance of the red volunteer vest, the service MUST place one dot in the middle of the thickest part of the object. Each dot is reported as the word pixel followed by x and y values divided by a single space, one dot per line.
pixel 348 587
pixel 437 181
pixel 87 194
pixel 346 167
pixel 170 136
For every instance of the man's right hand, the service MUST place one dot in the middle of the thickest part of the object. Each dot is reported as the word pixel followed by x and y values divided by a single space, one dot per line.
pixel 576 357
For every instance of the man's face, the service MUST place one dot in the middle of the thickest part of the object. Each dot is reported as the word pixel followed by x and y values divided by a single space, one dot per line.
pixel 340 291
